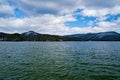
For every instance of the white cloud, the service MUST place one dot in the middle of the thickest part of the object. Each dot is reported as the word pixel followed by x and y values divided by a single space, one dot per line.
pixel 51 24
pixel 5 9
pixel 101 12
pixel 39 7
pixel 99 4
pixel 45 24
pixel 49 16
pixel 94 13
pixel 107 24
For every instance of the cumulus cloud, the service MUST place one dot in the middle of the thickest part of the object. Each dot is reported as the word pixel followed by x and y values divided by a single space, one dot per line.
pixel 50 24
pixel 45 24
pixel 5 9
pixel 101 12
pixel 99 4
pixel 49 16
pixel 38 7
pixel 92 7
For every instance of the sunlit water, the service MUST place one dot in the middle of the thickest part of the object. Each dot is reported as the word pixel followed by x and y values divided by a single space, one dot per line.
pixel 59 60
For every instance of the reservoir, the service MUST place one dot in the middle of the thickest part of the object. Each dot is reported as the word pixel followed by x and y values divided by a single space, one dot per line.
pixel 59 60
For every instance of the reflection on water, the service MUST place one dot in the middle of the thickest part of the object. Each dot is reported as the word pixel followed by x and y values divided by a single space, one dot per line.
pixel 60 61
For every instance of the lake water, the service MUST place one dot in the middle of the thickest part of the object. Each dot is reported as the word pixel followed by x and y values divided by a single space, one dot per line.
pixel 59 60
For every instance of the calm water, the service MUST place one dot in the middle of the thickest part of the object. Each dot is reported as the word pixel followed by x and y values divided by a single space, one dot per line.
pixel 59 60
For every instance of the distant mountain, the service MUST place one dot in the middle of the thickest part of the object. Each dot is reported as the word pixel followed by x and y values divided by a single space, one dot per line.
pixel 102 36
pixel 34 36
pixel 30 33
pixel 11 37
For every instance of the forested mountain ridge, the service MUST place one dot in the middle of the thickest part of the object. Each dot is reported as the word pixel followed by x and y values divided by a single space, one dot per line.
pixel 34 36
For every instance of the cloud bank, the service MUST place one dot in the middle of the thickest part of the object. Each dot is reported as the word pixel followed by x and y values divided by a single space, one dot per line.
pixel 50 16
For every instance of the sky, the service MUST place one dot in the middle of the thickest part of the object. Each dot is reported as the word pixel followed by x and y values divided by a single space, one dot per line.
pixel 59 17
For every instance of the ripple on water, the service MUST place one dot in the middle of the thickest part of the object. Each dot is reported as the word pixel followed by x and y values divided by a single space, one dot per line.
pixel 60 61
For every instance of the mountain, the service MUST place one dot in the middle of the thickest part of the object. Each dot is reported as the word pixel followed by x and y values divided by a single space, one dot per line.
pixel 30 33
pixel 34 36
pixel 11 37
pixel 102 36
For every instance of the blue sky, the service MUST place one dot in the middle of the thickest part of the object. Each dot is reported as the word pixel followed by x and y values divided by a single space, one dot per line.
pixel 59 17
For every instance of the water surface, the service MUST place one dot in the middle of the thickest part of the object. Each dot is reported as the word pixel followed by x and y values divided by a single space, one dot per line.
pixel 59 60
